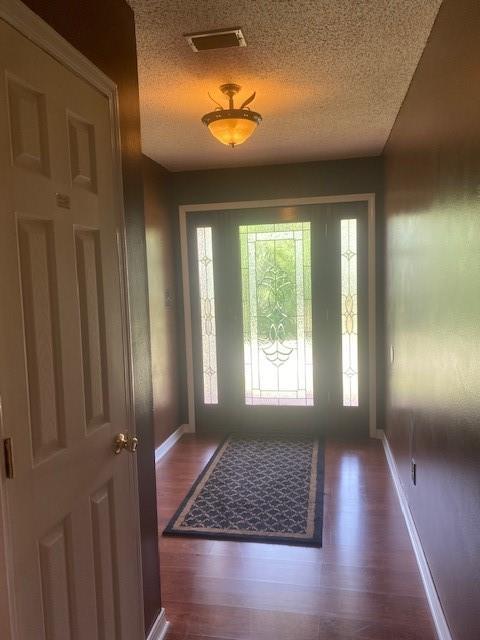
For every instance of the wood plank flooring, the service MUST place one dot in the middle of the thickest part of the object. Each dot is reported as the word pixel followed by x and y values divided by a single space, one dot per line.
pixel 363 584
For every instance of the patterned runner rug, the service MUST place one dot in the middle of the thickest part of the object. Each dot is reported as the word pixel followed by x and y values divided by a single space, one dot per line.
pixel 257 489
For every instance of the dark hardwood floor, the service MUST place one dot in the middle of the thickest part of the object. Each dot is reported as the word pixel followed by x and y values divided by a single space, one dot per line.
pixel 363 584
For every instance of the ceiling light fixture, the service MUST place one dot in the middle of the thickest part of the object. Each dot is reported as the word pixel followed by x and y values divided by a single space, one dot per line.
pixel 232 126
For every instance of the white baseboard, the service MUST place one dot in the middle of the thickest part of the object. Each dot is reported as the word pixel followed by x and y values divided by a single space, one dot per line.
pixel 434 603
pixel 170 441
pixel 160 627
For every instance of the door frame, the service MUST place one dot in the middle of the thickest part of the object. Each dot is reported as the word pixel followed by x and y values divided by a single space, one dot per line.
pixel 369 198
pixel 30 25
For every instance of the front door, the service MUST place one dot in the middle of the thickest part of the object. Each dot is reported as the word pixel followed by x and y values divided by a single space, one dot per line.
pixel 70 501
pixel 279 319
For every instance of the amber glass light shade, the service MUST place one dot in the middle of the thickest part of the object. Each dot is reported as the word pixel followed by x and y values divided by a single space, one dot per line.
pixel 232 126
pixel 232 131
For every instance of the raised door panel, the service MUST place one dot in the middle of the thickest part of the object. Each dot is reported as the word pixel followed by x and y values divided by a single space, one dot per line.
pixel 28 127
pixel 83 164
pixel 42 337
pixel 105 561
pixel 56 569
pixel 92 318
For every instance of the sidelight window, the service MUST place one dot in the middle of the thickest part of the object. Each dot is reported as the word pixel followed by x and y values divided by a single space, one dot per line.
pixel 207 314
pixel 349 312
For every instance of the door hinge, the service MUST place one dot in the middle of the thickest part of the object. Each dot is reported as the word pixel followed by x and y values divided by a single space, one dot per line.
pixel 327 314
pixel 8 455
pixel 326 229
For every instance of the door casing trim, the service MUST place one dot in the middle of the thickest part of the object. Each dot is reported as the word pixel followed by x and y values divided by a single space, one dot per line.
pixel 369 198
pixel 33 27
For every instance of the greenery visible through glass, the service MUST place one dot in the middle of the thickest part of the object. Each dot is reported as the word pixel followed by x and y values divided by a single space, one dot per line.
pixel 277 313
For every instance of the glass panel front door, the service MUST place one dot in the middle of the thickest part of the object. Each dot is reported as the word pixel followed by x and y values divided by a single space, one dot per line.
pixel 279 319
pixel 277 313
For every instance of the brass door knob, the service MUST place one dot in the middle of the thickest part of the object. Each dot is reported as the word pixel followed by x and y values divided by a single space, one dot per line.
pixel 125 441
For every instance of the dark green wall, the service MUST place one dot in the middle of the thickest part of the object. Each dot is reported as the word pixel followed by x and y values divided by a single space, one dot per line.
pixel 432 189
pixel 337 177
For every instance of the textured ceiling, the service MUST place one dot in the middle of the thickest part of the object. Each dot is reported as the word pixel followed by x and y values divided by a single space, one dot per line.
pixel 330 76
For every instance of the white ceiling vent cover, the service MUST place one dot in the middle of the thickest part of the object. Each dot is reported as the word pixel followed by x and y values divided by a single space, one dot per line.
pixel 218 39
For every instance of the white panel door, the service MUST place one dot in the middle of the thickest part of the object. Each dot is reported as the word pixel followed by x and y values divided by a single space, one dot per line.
pixel 71 504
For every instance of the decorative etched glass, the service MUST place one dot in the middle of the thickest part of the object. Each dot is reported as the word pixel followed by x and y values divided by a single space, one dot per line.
pixel 277 313
pixel 207 314
pixel 348 252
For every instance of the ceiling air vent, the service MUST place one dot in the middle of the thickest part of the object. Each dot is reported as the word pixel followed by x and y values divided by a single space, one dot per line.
pixel 218 39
